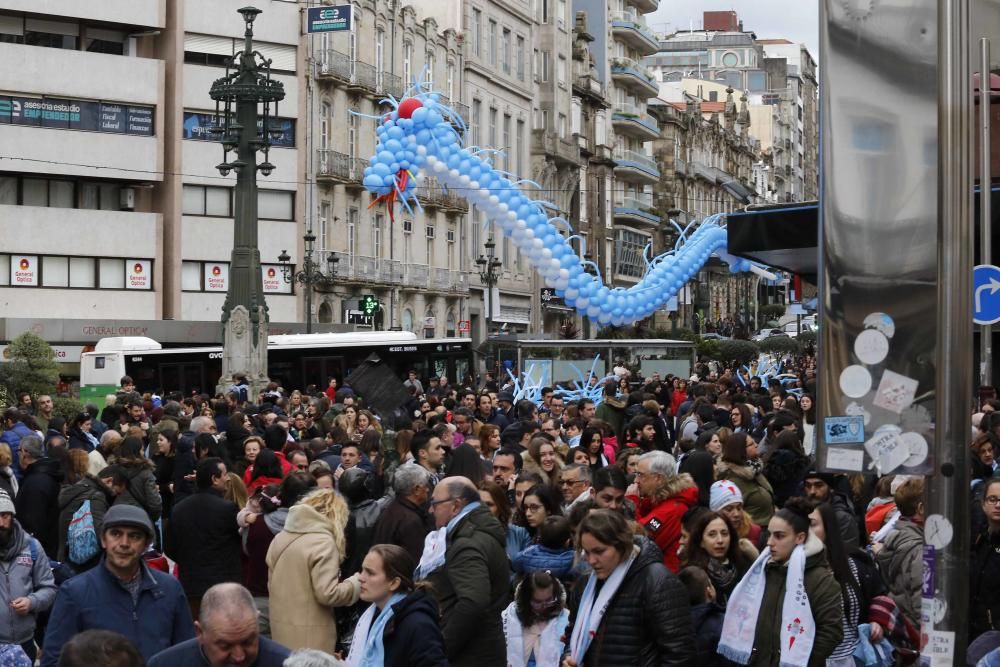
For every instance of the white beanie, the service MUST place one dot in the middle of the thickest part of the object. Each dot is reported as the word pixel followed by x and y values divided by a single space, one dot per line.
pixel 724 493
pixel 6 504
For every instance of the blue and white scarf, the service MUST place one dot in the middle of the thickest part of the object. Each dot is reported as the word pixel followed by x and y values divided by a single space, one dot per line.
pixel 591 612
pixel 549 649
pixel 436 545
pixel 367 647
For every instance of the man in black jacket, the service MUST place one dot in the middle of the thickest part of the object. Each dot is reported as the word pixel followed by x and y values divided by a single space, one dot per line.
pixel 405 520
pixel 37 499
pixel 203 536
pixel 821 487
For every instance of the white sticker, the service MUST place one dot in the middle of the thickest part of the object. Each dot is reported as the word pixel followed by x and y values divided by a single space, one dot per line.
pixel 916 445
pixel 871 347
pixel 895 392
pixel 880 322
pixel 887 449
pixel 937 531
pixel 940 609
pixel 839 458
pixel 942 648
pixel 855 381
pixel 855 410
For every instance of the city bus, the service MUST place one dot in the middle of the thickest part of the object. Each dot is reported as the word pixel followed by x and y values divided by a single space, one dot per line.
pixel 294 361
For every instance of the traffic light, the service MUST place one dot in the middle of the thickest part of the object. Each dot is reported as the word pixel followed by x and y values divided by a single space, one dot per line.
pixel 369 305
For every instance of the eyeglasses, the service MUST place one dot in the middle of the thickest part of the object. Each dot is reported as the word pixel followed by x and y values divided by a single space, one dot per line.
pixel 533 507
pixel 992 500
pixel 435 503
pixel 569 482
pixel 639 473
pixel 302 466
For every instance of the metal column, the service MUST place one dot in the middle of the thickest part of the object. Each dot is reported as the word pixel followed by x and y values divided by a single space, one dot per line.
pixel 985 200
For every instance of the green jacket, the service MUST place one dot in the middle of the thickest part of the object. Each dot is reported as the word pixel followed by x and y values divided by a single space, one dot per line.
pixel 825 602
pixel 758 496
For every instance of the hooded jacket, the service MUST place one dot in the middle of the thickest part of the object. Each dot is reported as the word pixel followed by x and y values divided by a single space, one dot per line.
pixel 24 572
pixel 662 520
pixel 472 589
pixel 142 490
pixel 707 620
pixel 70 499
pixel 412 638
pixel 758 497
pixel 37 503
pixel 902 565
pixel 536 558
pixel 825 602
pixel 648 621
pixel 305 584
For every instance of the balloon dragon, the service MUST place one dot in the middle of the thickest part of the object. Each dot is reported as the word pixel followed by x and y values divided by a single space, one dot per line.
pixel 422 136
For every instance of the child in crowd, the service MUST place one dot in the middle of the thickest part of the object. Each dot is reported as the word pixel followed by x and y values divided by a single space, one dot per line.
pixel 706 615
pixel 534 624
pixel 552 554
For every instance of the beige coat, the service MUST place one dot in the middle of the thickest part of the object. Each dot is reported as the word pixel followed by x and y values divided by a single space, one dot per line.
pixel 304 582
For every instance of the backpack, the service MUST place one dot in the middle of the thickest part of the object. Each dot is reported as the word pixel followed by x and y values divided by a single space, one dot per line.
pixel 81 540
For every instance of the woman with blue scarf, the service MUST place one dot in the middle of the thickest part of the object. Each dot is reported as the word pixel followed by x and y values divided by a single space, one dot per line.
pixel 80 436
pixel 400 628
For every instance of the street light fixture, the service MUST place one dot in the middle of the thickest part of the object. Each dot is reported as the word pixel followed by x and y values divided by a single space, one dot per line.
pixel 489 273
pixel 310 275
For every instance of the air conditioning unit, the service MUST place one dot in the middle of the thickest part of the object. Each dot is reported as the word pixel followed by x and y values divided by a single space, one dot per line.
pixel 126 199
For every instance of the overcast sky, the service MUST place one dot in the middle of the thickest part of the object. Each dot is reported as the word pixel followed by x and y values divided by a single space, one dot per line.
pixel 794 20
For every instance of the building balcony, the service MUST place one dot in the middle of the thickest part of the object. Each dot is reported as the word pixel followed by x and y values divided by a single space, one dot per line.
pixel 631 28
pixel 636 167
pixel 416 276
pixel 561 150
pixel 630 120
pixel 630 74
pixel 459 108
pixel 339 68
pixel 645 6
pixel 637 211
pixel 335 167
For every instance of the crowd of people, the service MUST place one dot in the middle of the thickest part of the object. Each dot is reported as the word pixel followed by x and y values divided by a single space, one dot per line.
pixel 679 521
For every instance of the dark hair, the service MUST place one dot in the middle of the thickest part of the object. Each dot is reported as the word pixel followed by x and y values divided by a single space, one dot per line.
pixel 292 488
pixel 207 469
pixel 266 465
pixel 695 580
pixel 547 495
pixel 420 440
pixel 554 532
pixel 537 581
pixel 171 437
pixel 465 462
pixel 734 449
pixel 780 420
pixel 607 527
pixel 518 461
pixel 130 451
pixel 397 563
pixel 499 495
pixel 587 437
pixel 99 647
pixel 836 556
pixel 609 476
pixel 796 514
pixel 696 554
pixel 746 416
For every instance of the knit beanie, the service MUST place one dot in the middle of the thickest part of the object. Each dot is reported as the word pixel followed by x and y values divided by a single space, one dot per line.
pixel 723 494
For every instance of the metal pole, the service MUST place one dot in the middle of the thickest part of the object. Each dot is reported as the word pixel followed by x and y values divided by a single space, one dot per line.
pixel 948 485
pixel 985 200
pixel 309 299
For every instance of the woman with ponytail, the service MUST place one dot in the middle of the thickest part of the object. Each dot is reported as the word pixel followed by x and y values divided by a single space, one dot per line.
pixel 793 563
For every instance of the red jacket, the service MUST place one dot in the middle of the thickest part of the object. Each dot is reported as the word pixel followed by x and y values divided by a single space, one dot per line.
pixel 663 521
pixel 676 399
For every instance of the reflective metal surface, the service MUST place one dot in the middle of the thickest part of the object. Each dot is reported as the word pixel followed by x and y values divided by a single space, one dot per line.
pixel 878 234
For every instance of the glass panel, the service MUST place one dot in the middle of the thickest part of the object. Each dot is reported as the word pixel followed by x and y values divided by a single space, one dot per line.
pixel 113 273
pixel 110 197
pixel 194 200
pixel 191 276
pixel 4 269
pixel 8 190
pixel 61 194
pixel 35 192
pixel 217 202
pixel 81 272
pixel 89 196
pixel 275 205
pixel 55 271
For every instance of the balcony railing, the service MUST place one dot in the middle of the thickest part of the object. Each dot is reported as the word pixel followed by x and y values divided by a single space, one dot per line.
pixel 636 24
pixel 626 67
pixel 416 275
pixel 336 66
pixel 629 113
pixel 633 157
pixel 341 167
pixel 461 109
pixel 551 144
pixel 441 279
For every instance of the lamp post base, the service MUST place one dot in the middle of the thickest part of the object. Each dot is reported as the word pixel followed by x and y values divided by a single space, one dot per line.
pixel 241 353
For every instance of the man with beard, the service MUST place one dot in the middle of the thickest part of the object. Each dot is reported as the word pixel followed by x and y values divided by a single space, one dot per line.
pixel 28 588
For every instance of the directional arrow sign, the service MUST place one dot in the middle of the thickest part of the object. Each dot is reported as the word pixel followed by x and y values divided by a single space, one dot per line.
pixel 986 294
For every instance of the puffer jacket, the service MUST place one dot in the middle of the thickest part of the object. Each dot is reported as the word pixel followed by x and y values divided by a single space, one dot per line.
pixel 70 499
pixel 142 490
pixel 37 502
pixel 536 558
pixel 825 602
pixel 412 637
pixel 662 520
pixel 902 565
pixel 648 621
pixel 24 572
pixel 758 497
pixel 472 589
pixel 985 584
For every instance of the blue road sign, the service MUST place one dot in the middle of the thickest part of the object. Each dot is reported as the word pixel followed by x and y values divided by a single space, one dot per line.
pixel 335 18
pixel 986 294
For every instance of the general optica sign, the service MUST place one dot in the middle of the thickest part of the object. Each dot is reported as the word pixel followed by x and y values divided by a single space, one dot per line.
pixel 329 19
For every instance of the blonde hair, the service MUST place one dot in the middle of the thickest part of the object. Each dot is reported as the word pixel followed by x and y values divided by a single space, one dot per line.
pixel 236 490
pixel 329 504
pixel 6 458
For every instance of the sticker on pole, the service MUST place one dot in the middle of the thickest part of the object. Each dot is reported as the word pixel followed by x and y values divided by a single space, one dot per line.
pixel 986 294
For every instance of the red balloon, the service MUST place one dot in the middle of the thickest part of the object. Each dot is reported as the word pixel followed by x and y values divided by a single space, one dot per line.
pixel 408 106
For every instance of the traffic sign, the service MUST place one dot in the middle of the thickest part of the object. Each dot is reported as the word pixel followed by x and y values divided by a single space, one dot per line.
pixel 986 294
pixel 464 326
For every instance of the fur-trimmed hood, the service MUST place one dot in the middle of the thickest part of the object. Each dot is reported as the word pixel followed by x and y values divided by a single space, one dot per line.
pixel 725 468
pixel 673 486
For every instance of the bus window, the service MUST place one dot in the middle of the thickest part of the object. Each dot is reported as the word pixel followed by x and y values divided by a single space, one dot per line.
pixel 441 367
pixel 461 370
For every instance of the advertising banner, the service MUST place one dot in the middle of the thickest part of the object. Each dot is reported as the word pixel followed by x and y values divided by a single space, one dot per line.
pixel 24 270
pixel 216 277
pixel 139 274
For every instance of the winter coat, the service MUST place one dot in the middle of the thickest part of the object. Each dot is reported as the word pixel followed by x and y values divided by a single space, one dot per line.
pixel 879 511
pixel 70 499
pixel 142 489
pixel 412 638
pixel 472 589
pixel 79 440
pixel 518 539
pixel 190 654
pixel 164 474
pixel 536 558
pixel 184 465
pixel 847 520
pixel 985 584
pixel 707 620
pixel 825 603
pixel 784 469
pixel 612 411
pixel 8 481
pixel 12 437
pixel 359 531
pixel 758 497
pixel 95 600
pixel 902 565
pixel 662 520
pixel 404 524
pixel 648 621
pixel 204 538
pixel 256 541
pixel 24 572
pixel 37 503
pixel 305 584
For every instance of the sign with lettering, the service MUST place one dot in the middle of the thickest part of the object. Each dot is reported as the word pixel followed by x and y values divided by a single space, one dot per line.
pixel 274 279
pixel 138 274
pixel 336 18
pixel 196 126
pixel 77 115
pixel 216 277
pixel 24 270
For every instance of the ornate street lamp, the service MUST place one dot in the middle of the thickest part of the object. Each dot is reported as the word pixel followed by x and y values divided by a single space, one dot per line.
pixel 246 100
pixel 310 275
pixel 489 273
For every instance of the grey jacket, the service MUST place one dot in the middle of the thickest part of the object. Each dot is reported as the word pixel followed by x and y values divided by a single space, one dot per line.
pixel 24 572
pixel 902 565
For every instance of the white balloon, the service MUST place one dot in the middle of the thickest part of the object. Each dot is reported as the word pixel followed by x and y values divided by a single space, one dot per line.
pixel 421 149
pixel 464 180
pixel 582 302
pixel 494 200
pixel 546 254
pixel 571 294
pixel 521 224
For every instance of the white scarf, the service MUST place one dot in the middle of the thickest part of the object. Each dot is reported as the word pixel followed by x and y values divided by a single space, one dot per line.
pixel 548 651
pixel 436 545
pixel 367 641
pixel 590 613
pixel 797 629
